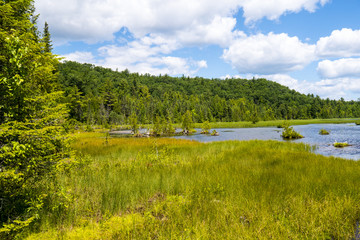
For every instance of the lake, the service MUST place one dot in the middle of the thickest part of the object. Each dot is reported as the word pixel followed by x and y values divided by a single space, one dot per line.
pixel 338 132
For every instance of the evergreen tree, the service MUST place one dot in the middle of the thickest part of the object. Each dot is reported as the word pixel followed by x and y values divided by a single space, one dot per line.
pixel 32 142
pixel 47 39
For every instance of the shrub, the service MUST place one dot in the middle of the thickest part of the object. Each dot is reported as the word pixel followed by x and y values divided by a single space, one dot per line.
pixel 205 128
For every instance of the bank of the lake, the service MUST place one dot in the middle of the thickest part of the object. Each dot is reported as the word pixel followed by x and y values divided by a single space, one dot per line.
pixel 245 124
pixel 275 123
pixel 161 188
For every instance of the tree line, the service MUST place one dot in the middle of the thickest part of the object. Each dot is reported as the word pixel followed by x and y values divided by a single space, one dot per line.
pixel 97 95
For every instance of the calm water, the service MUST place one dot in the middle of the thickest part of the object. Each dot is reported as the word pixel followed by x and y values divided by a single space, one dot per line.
pixel 338 132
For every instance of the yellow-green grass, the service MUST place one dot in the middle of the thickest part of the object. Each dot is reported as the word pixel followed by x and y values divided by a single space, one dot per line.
pixel 178 189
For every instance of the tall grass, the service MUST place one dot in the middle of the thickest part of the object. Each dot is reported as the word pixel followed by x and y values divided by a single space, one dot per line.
pixel 176 189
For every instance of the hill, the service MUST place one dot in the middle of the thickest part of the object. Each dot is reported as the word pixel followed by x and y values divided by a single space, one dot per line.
pixel 100 95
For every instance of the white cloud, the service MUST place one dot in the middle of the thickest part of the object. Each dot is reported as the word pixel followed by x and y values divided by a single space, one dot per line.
pixel 326 88
pixel 255 10
pixel 341 43
pixel 346 67
pixel 149 55
pixel 219 31
pixel 347 88
pixel 98 20
pixel 81 57
pixel 269 54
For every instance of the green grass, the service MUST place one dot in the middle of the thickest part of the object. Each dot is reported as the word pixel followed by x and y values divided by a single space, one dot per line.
pixel 246 124
pixel 275 123
pixel 178 189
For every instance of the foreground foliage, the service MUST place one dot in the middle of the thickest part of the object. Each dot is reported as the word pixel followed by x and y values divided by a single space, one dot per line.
pixel 33 145
pixel 176 189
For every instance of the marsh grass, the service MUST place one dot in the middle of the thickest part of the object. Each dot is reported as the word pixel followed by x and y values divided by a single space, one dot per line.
pixel 176 189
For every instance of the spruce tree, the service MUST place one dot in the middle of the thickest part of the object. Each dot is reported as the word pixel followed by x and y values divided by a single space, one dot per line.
pixel 47 39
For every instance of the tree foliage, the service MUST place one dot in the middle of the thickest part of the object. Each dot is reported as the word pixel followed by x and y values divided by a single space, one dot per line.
pixel 32 142
pixel 106 95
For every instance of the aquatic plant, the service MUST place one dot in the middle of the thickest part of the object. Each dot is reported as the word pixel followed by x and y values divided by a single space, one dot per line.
pixel 323 132
pixel 341 144
pixel 206 128
pixel 290 133
pixel 214 133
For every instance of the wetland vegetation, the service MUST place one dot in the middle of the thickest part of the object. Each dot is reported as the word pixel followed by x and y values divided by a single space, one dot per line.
pixel 167 188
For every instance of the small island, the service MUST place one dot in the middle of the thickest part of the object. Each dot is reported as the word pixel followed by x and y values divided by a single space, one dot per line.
pixel 289 133
pixel 341 144
pixel 323 132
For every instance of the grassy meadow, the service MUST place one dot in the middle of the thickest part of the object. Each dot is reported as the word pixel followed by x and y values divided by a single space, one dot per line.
pixel 163 188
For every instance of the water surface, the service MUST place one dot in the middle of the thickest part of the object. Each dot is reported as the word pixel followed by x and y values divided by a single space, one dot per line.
pixel 338 132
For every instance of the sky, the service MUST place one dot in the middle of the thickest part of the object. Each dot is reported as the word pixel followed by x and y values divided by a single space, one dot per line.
pixel 312 46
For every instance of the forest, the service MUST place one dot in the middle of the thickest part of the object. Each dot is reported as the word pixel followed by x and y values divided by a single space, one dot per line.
pixel 97 95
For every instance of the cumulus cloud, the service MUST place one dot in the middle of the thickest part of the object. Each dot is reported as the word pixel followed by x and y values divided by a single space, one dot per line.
pixel 348 88
pixel 149 55
pixel 341 43
pixel 98 20
pixel 272 9
pixel 345 67
pixel 81 57
pixel 269 54
pixel 219 32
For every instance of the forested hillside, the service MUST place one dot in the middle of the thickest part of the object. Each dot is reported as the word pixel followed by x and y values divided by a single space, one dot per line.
pixel 98 95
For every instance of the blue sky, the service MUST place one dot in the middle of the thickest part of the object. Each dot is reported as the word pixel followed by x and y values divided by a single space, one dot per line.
pixel 312 46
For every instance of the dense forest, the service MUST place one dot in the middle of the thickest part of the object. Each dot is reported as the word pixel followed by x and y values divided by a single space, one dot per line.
pixel 98 95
